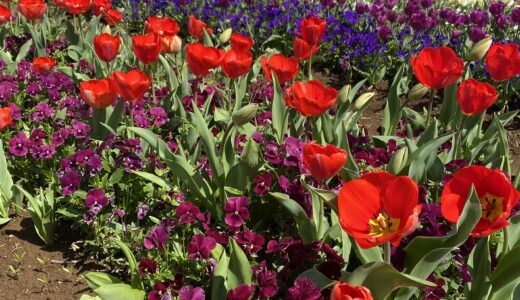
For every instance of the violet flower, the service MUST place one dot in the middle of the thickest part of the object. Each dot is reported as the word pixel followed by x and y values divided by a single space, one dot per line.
pixel 201 246
pixel 191 293
pixel 262 183
pixel 241 292
pixel 266 280
pixel 19 144
pixel 96 200
pixel 188 213
pixel 303 289
pixel 237 209
pixel 157 238
pixel 250 241
pixel 147 266
pixel 70 182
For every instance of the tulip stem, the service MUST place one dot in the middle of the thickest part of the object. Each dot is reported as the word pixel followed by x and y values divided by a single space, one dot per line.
pixel 506 91
pixel 310 66
pixel 387 250
pixel 458 138
pixel 430 108
pixel 505 246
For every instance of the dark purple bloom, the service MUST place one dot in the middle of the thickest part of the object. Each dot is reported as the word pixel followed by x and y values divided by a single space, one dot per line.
pixel 237 209
pixel 241 292
pixel 159 116
pixel 266 280
pixel 262 183
pixel 161 291
pixel 496 7
pixel 479 17
pixel 250 241
pixel 38 136
pixel 384 32
pixel 43 111
pixel 515 15
pixel 476 34
pixel 46 151
pixel 59 137
pixel 362 8
pixel 19 144
pixel 303 289
pixel 142 210
pixel 201 246
pixel 502 21
pixel 147 266
pixel 191 293
pixel 157 238
pixel 80 130
pixel 70 182
pixel 96 200
pixel 188 213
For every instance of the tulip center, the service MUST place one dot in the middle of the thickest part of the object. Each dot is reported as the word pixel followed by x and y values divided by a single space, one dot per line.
pixel 383 225
pixel 492 206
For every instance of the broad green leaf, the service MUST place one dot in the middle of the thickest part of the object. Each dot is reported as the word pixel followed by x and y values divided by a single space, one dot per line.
pixel 479 263
pixel 422 159
pixel 132 263
pixel 513 232
pixel 24 50
pixel 392 112
pixel 506 272
pixel 154 178
pixel 366 256
pixel 450 115
pixel 278 111
pixel 6 184
pixel 320 280
pixel 119 291
pixel 97 279
pixel 218 285
pixel 239 271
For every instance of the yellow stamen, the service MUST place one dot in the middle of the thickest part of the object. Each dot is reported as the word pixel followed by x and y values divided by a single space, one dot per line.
pixel 383 225
pixel 492 206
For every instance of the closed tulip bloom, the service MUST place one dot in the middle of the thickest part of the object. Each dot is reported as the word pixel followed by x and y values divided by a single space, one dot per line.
pixel 43 64
pixel 494 189
pixel 107 46
pixel 241 42
pixel 201 59
pixel 379 207
pixel 32 9
pixel 311 98
pixel 302 50
pixel 5 14
pixel 347 291
pixel 475 97
pixel 98 93
pixel 437 67
pixel 323 162
pixel 196 27
pixel 147 47
pixel 163 26
pixel 112 16
pixel 503 61
pixel 236 63
pixel 312 30
pixel 285 68
pixel 5 117
pixel 76 7
pixel 131 85
pixel 171 44
pixel 100 6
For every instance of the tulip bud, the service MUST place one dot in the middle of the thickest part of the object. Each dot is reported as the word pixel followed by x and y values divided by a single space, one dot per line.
pixel 418 92
pixel 343 94
pixel 171 44
pixel 398 160
pixel 363 100
pixel 245 114
pixel 250 153
pixel 106 29
pixel 225 36
pixel 479 50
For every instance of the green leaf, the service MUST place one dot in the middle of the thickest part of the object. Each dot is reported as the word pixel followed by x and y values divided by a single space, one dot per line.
pixel 421 160
pixel 381 279
pixel 218 285
pixel 97 279
pixel 513 232
pixel 506 272
pixel 306 227
pixel 6 184
pixel 392 112
pixel 24 50
pixel 366 256
pixel 450 116
pixel 320 280
pixel 119 291
pixel 115 116
pixel 239 271
pixel 278 111
pixel 318 212
pixel 479 263
pixel 154 179
pixel 132 263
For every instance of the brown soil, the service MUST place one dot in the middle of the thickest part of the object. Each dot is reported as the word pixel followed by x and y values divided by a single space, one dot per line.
pixel 31 270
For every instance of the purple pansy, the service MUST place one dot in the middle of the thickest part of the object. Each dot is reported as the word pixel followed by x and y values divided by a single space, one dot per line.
pixel 303 289
pixel 191 293
pixel 237 209
pixel 201 246
pixel 157 238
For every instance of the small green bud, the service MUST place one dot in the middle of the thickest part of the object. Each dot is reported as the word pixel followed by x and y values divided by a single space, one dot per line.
pixel 225 36
pixel 418 92
pixel 363 100
pixel 245 114
pixel 106 29
pixel 398 160
pixel 343 94
pixel 479 50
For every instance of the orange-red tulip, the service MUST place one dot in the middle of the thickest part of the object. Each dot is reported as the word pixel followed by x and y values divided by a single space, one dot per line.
pixel 495 191
pixel 475 97
pixel 347 291
pixel 236 63
pixel 100 6
pixel 32 9
pixel 379 207
pixel 163 26
pixel 503 61
pixel 201 58
pixel 5 14
pixel 76 7
pixel 323 162
pixel 5 117
pixel 437 67
pixel 98 93
pixel 131 85
pixel 147 47
pixel 107 46
pixel 302 50
pixel 311 98
pixel 312 30
pixel 196 27
pixel 112 16
pixel 241 42
pixel 43 64
pixel 285 68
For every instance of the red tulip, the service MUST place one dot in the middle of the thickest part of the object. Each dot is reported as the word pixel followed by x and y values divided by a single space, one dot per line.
pixel 196 26
pixel 5 117
pixel 171 44
pixel 131 85
pixel 311 98
pixel 379 207
pixel 323 162
pixel 100 6
pixel 32 9
pixel 285 68
pixel 76 7
pixel 5 14
pixel 495 191
pixel 347 291
pixel 312 30
pixel 107 46
pixel 201 58
pixel 236 63
pixel 302 50
pixel 241 42
pixel 503 61
pixel 58 3
pixel 475 97
pixel 163 26
pixel 147 47
pixel 112 16
pixel 437 67
pixel 98 93
pixel 43 64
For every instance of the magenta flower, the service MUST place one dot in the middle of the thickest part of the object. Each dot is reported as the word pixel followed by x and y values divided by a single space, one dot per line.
pixel 96 200
pixel 237 209
pixel 266 280
pixel 19 144
pixel 157 238
pixel 303 289
pixel 201 246
pixel 188 213
pixel 80 130
pixel 262 183
pixel 241 292
pixel 59 137
pixel 70 182
pixel 250 241
pixel 147 266
pixel 191 293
